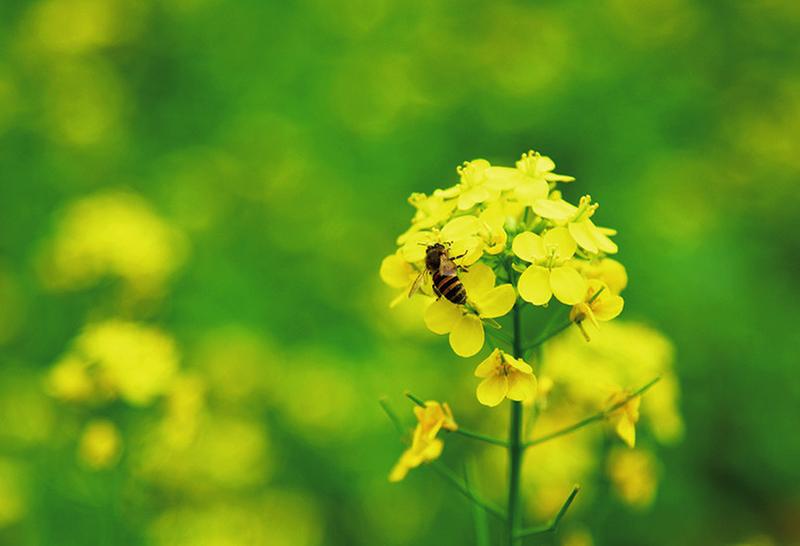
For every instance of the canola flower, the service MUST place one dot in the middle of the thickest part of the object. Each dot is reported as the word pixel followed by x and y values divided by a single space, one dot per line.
pixel 509 239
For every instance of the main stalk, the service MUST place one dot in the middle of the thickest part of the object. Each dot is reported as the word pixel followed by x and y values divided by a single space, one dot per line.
pixel 515 445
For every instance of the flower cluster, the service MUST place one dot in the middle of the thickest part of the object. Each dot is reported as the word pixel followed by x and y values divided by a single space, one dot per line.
pixel 510 232
pixel 425 446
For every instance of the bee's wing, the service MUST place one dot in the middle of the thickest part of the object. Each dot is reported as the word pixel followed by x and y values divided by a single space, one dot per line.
pixel 417 282
pixel 447 268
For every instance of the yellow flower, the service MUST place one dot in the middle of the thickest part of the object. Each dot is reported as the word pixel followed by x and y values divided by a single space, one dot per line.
pixel 116 234
pixel 70 380
pixel 550 272
pixel 608 270
pixel 464 324
pixel 537 172
pixel 432 210
pixel 473 187
pixel 536 165
pixel 137 361
pixel 578 221
pixel 624 418
pixel 600 303
pixel 634 475
pixel 505 377
pixel 100 444
pixel 462 234
pixel 398 273
pixel 425 446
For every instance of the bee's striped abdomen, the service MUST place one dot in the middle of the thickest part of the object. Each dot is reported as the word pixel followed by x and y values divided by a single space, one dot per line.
pixel 450 287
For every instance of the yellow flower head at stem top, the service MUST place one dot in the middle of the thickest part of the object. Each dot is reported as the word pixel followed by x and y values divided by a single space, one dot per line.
pixel 425 446
pixel 599 304
pixel 505 377
pixel 463 323
pixel 624 418
pixel 550 272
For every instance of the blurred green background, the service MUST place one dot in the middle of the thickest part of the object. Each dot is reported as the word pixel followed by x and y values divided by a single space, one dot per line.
pixel 227 176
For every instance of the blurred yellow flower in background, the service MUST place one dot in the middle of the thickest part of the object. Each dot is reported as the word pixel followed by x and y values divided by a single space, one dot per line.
pixel 134 361
pixel 100 444
pixel 117 234
pixel 634 474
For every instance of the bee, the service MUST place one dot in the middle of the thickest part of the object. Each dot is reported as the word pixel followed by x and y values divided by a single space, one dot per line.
pixel 444 271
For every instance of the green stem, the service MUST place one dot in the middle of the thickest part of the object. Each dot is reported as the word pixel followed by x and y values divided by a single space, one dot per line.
pixel 599 416
pixel 451 478
pixel 481 437
pixel 515 445
pixel 552 526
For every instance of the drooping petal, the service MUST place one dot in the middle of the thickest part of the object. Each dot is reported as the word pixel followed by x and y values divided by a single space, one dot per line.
pixel 567 284
pixel 559 211
pixel 529 247
pixel 560 239
pixel 608 306
pixel 490 365
pixel 521 387
pixel 496 302
pixel 580 231
pixel 534 285
pixel 467 336
pixel 517 364
pixel 441 316
pixel 492 390
pixel 478 280
pixel 626 430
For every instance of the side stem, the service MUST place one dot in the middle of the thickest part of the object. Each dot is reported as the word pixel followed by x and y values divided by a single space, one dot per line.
pixel 515 446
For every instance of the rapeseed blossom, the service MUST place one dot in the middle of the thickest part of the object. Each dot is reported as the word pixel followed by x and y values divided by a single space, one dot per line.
pixel 505 377
pixel 511 224
pixel 425 446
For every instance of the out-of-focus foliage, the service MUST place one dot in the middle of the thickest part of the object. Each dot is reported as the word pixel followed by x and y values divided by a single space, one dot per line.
pixel 195 196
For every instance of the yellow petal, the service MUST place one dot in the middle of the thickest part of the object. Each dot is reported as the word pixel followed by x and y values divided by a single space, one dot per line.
pixel 459 228
pixel 560 239
pixel 567 284
pixel 496 302
pixel 534 285
pixel 414 248
pixel 492 390
pixel 503 178
pixel 529 247
pixel 580 231
pixel 441 316
pixel 478 280
pixel 517 363
pixel 432 450
pixel 521 387
pixel 531 190
pixel 627 431
pixel 608 306
pixel 399 471
pixel 395 271
pixel 467 336
pixel 490 365
pixel 560 210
